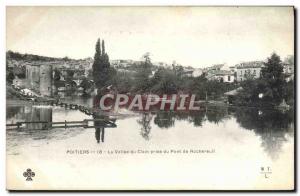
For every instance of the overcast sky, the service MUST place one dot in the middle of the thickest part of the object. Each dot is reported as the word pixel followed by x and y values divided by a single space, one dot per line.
pixel 196 36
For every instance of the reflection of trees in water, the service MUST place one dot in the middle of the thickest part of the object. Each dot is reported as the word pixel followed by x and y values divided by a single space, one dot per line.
pixel 145 125
pixel 195 117
pixel 216 114
pixel 164 119
pixel 271 125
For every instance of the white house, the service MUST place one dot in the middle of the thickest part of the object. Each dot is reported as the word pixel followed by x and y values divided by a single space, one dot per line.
pixel 251 69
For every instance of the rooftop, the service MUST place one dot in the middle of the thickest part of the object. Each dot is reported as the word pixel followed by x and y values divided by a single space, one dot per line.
pixel 250 64
pixel 223 72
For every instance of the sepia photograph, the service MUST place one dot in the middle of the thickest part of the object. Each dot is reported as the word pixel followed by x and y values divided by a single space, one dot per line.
pixel 158 98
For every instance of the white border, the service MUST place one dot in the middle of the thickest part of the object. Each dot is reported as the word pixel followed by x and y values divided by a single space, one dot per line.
pixel 4 3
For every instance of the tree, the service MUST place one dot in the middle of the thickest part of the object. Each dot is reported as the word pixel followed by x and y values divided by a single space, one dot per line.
pixel 164 81
pixel 273 80
pixel 70 74
pixel 20 71
pixel 66 58
pixel 56 75
pixel 85 84
pixel 101 66
pixel 289 94
pixel 123 81
pixel 271 85
pixel 10 77
pixel 142 77
pixel 249 95
pixel 178 69
pixel 105 58
pixel 289 59
pixel 97 64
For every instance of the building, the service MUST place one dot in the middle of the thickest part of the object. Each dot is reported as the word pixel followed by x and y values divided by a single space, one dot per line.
pixel 215 72
pixel 197 72
pixel 251 69
pixel 222 76
pixel 39 78
pixel 213 68
pixel 288 68
pixel 210 71
pixel 232 69
pixel 187 71
pixel 122 63
pixel 163 64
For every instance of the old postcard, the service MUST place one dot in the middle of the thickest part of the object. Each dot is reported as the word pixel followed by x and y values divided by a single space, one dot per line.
pixel 150 98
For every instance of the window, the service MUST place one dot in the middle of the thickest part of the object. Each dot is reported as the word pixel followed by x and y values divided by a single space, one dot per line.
pixel 228 78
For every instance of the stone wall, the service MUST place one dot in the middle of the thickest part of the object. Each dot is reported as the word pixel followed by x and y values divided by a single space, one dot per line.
pixel 39 78
pixel 46 80
pixel 33 77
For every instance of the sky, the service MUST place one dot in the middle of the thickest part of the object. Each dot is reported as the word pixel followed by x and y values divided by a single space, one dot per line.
pixel 191 36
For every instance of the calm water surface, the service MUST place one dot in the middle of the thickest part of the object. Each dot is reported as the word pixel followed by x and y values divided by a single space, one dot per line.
pixel 241 142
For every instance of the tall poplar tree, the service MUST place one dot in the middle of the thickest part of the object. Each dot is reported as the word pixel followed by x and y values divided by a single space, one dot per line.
pixel 101 66
pixel 97 63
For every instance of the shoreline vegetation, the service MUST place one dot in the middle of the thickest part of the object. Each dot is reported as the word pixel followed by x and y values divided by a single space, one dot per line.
pixel 269 90
pixel 18 98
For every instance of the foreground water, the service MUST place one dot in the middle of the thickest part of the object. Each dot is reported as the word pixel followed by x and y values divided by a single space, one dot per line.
pixel 217 148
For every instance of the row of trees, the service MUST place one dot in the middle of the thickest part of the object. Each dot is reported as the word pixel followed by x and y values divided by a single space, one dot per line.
pixel 142 80
pixel 164 80
pixel 167 81
pixel 270 89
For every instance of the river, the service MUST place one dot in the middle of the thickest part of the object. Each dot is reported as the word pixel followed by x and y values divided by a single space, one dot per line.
pixel 218 147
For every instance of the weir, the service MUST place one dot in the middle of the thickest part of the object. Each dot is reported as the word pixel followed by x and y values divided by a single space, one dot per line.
pixel 42 125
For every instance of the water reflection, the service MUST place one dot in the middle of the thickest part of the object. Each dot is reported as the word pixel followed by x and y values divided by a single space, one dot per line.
pixel 164 119
pixel 273 127
pixel 30 114
pixel 100 129
pixel 217 114
pixel 144 121
pixel 35 131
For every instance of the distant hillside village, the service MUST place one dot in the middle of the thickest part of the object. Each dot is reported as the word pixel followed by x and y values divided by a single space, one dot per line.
pixel 46 75
pixel 236 73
